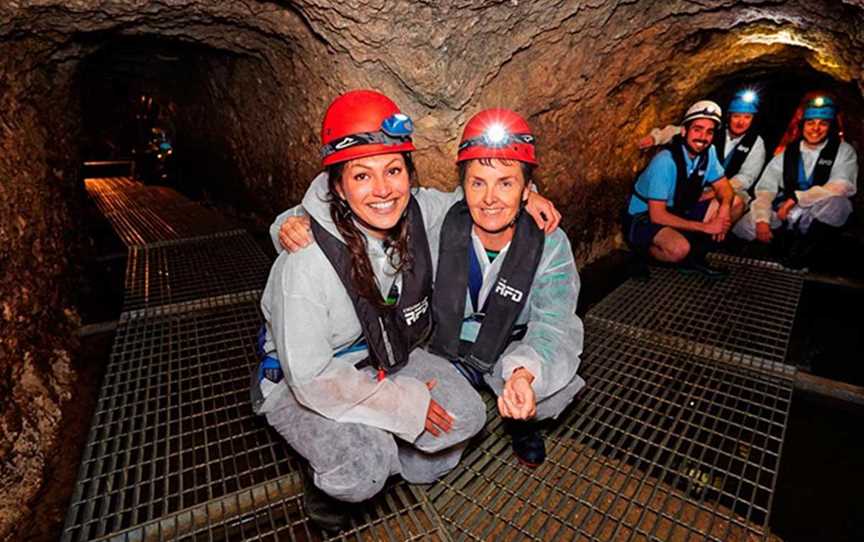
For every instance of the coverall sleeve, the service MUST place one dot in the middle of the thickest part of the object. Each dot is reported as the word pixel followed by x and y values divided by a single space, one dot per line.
pixel 751 168
pixel 302 329
pixel 297 210
pixel 435 203
pixel 664 135
pixel 766 190
pixel 842 182
pixel 552 345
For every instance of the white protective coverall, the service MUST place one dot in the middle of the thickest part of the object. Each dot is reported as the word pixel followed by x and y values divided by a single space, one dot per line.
pixel 341 419
pixel 828 203
pixel 552 345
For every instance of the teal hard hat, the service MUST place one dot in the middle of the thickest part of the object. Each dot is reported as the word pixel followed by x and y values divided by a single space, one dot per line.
pixel 820 107
pixel 745 101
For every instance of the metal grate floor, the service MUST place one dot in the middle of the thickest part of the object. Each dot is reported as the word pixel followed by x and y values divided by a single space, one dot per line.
pixel 665 443
pixel 143 214
pixel 180 271
pixel 751 312
pixel 172 427
pixel 661 445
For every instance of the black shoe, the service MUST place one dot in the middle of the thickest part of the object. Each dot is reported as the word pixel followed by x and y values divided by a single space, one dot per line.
pixel 528 444
pixel 690 267
pixel 798 255
pixel 326 512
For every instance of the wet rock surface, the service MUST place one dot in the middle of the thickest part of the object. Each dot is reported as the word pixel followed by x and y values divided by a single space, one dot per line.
pixel 250 81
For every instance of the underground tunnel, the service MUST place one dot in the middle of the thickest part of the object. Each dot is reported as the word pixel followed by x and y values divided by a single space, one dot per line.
pixel 658 446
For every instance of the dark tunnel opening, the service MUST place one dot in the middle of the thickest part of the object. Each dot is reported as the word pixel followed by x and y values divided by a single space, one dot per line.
pixel 146 94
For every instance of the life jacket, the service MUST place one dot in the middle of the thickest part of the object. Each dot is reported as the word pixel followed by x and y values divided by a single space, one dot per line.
pixel 732 164
pixel 390 333
pixel 793 166
pixel 688 189
pixel 504 303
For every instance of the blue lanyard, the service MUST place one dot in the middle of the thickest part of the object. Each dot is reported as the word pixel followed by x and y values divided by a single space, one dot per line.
pixel 475 277
pixel 804 182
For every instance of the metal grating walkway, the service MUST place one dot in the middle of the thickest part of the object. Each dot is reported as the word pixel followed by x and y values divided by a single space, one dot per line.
pixel 676 437
pixel 177 271
pixel 662 445
pixel 143 214
pixel 751 312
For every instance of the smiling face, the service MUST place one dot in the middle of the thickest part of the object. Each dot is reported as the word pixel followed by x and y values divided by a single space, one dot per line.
pixel 815 131
pixel 739 123
pixel 494 190
pixel 700 134
pixel 377 189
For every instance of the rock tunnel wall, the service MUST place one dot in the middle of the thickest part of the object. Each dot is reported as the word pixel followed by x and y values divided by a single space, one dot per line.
pixel 590 76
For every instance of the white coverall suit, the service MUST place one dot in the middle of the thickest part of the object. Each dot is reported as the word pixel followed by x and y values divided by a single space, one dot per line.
pixel 828 203
pixel 552 345
pixel 341 419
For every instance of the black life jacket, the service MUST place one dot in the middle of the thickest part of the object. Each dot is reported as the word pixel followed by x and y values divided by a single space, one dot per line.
pixel 822 171
pixel 688 190
pixel 504 303
pixel 739 154
pixel 392 333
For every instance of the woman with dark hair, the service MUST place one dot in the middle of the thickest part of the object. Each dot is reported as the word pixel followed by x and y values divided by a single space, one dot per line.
pixel 342 380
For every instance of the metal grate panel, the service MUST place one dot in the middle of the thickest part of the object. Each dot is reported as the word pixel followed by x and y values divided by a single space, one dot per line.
pixel 173 428
pixel 661 445
pixel 143 214
pixel 193 269
pixel 751 312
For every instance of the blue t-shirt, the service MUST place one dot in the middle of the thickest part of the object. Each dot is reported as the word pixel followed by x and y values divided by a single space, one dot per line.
pixel 659 178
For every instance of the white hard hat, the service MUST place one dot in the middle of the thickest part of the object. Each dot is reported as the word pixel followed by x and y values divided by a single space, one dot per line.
pixel 704 109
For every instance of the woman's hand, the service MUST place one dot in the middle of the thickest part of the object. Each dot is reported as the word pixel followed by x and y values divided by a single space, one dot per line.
pixel 543 212
pixel 763 232
pixel 295 233
pixel 518 401
pixel 785 207
pixel 438 420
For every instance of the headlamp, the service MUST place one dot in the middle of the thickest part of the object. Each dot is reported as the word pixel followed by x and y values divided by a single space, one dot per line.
pixel 819 101
pixel 749 96
pixel 496 136
pixel 395 130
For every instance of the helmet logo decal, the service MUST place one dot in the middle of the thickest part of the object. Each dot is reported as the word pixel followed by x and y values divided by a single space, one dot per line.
pixel 345 143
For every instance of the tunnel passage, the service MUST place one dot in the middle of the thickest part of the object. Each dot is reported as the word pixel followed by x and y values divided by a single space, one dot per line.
pixel 201 99
pixel 590 78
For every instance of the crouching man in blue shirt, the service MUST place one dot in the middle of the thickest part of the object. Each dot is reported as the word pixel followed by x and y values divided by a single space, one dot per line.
pixel 682 201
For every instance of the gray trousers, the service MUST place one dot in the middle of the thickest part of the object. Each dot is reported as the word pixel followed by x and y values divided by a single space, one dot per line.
pixel 833 211
pixel 351 462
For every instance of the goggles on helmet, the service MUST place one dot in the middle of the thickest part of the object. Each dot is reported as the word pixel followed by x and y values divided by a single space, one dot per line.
pixel 496 137
pixel 395 130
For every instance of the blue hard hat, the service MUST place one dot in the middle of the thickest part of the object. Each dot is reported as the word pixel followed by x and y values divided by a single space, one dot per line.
pixel 745 101
pixel 821 107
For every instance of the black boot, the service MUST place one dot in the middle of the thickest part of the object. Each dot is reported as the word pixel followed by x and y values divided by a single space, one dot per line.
pixel 528 442
pixel 805 249
pixel 326 512
pixel 695 261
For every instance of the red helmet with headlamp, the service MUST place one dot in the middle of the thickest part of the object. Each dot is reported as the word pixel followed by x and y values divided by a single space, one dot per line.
pixel 363 123
pixel 497 133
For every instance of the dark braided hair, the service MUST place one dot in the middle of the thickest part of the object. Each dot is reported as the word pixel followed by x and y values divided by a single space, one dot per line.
pixel 398 239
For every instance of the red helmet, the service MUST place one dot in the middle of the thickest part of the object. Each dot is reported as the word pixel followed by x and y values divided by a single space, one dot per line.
pixel 497 133
pixel 363 123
